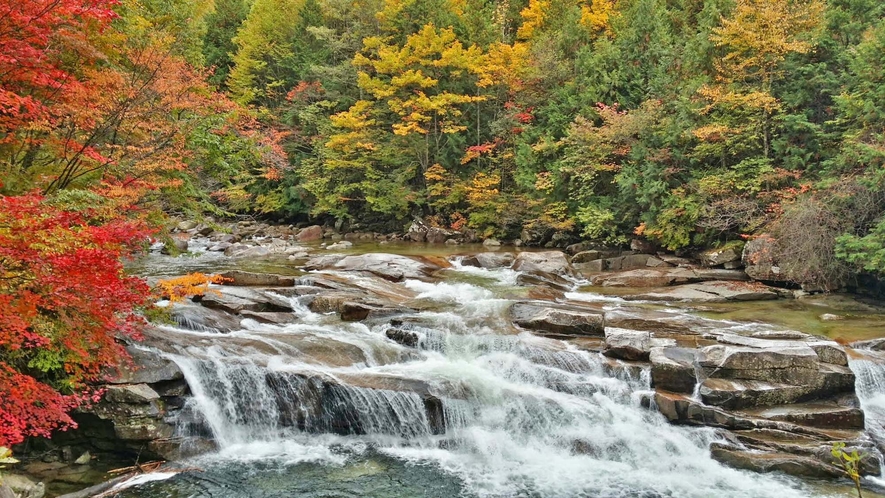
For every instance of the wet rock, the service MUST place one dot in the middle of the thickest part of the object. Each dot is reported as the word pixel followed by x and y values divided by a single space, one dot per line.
pixel 543 263
pixel 354 311
pixel 737 394
pixel 544 280
pixel 728 254
pixel 554 320
pixel 180 448
pixel 245 278
pixel 633 345
pixel 403 337
pixel 491 243
pixel 673 369
pixel 270 317
pixel 310 234
pixel 204 319
pixel 816 414
pixel 787 463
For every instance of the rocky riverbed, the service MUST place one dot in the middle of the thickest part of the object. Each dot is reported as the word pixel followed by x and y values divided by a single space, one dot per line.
pixel 309 339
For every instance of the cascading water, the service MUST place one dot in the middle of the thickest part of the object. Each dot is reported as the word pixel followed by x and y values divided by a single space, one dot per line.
pixel 479 409
pixel 869 371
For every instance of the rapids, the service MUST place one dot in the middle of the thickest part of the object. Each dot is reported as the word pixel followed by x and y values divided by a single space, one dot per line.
pixel 322 407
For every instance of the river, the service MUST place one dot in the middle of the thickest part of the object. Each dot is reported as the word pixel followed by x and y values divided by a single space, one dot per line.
pixel 523 415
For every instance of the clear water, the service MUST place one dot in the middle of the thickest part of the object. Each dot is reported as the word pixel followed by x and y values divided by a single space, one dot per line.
pixel 321 408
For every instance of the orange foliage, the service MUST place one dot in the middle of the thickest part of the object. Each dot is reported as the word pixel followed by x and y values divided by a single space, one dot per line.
pixel 193 284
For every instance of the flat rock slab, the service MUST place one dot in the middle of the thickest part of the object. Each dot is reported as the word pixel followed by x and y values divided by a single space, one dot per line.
pixel 391 267
pixel 797 465
pixel 710 292
pixel 245 278
pixel 145 367
pixel 821 415
pixel 663 277
pixel 558 320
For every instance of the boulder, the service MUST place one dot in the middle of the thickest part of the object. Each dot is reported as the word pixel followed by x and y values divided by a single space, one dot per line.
pixel 491 243
pixel 720 256
pixel 436 235
pixel 547 262
pixel 559 321
pixel 758 258
pixel 638 278
pixel 673 369
pixel 627 344
pixel 178 244
pixel 186 225
pixel 628 262
pixel 494 259
pixel 310 234
pixel 219 247
pixel 245 278
pixel 585 257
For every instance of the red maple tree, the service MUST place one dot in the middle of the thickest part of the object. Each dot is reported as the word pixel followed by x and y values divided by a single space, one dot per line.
pixel 64 301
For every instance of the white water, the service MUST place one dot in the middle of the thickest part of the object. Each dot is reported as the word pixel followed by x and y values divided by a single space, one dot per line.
pixel 869 371
pixel 524 415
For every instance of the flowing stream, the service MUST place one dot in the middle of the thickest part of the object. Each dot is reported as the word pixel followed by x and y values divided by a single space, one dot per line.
pixel 324 408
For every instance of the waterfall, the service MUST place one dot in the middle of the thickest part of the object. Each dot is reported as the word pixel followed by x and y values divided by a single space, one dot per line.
pixel 869 371
pixel 507 412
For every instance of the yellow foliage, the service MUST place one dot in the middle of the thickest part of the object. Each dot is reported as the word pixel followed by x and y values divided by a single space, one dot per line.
pixel 435 173
pixel 533 18
pixel 193 284
pixel 761 33
pixel 596 16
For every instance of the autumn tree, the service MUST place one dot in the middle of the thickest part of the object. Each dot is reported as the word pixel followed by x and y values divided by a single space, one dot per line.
pixel 64 301
pixel 417 94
